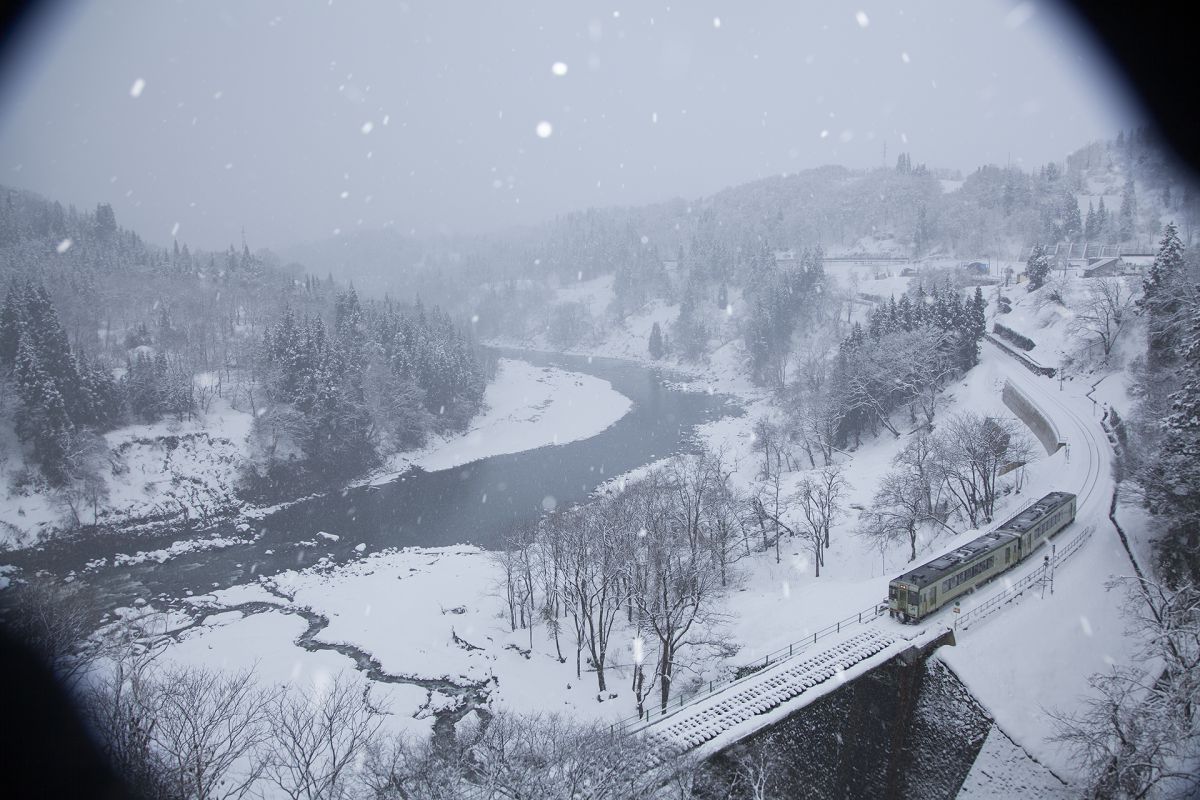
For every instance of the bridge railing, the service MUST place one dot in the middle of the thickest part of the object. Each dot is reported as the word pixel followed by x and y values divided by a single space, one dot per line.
pixel 1038 577
pixel 655 711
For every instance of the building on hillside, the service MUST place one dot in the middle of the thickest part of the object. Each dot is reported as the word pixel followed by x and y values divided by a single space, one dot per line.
pixel 1116 266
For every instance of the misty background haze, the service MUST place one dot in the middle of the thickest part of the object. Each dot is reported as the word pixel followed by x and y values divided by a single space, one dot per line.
pixel 299 122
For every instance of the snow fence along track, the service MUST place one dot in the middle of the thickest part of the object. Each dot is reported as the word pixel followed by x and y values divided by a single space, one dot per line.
pixel 760 693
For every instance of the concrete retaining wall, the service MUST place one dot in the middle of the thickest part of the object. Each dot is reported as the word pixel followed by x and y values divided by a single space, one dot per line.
pixel 1033 418
pixel 1026 361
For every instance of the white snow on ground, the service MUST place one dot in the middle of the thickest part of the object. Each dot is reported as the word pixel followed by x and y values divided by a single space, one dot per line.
pixel 1003 769
pixel 159 470
pixel 526 407
pixel 426 613
pixel 264 642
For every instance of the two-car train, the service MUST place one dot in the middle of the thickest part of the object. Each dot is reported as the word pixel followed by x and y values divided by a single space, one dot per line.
pixel 923 590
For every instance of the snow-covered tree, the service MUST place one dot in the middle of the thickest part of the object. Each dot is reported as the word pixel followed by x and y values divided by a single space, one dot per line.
pixel 1072 225
pixel 1172 479
pixel 1138 735
pixel 1037 267
pixel 1163 295
pixel 1126 217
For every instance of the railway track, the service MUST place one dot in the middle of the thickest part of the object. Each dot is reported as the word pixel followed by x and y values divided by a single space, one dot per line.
pixel 1074 428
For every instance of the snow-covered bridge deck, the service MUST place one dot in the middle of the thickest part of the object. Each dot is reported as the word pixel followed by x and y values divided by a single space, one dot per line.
pixel 764 697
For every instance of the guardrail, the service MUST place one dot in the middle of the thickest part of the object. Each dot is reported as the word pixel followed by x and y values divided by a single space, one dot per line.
pixel 657 712
pixel 1041 575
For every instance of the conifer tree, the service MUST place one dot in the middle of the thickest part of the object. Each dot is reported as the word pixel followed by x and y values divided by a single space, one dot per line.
pixel 1173 482
pixel 42 420
pixel 1162 293
pixel 656 342
pixel 1126 217
pixel 1037 268
pixel 1072 225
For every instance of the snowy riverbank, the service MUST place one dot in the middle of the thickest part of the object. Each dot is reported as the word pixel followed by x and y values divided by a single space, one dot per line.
pixel 163 471
pixel 525 408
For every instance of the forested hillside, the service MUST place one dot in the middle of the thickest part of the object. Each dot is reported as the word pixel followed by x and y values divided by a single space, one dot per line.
pixel 100 330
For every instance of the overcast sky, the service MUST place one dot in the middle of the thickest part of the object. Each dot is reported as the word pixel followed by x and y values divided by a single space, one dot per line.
pixel 298 119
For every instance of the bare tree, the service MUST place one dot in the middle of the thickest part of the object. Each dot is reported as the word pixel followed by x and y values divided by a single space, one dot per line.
pixel 755 766
pixel 550 757
pixel 317 737
pixel 55 621
pixel 896 512
pixel 820 497
pixel 208 728
pixel 816 419
pixel 1103 312
pixel 87 463
pixel 724 511
pixel 770 439
pixel 1139 736
pixel 679 590
pixel 908 497
pixel 594 574
pixel 971 452
pixel 770 505
pixel 401 768
pixel 121 705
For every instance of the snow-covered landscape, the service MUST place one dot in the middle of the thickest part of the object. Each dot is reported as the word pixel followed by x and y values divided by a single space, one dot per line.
pixel 412 403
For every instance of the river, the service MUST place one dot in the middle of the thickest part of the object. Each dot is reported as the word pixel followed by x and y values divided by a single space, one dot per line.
pixel 474 503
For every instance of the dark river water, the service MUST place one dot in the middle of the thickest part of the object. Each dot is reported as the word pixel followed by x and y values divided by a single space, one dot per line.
pixel 418 508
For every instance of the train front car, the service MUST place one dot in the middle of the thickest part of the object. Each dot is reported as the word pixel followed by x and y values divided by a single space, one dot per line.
pixel 904 600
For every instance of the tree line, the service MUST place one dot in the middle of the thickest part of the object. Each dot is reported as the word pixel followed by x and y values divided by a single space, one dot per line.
pixel 379 380
pixel 99 329
pixel 903 359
